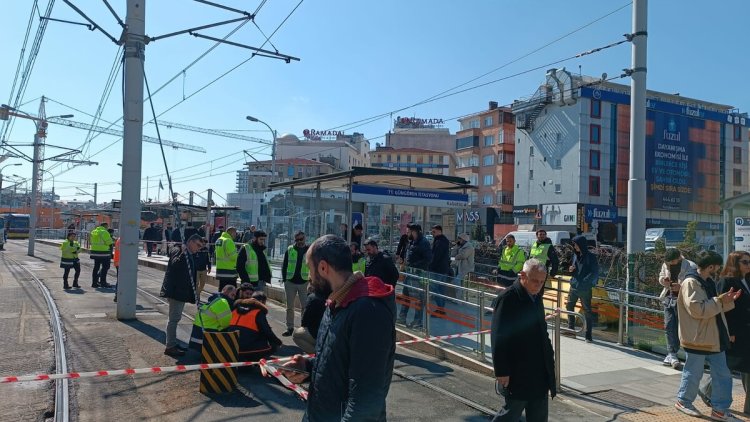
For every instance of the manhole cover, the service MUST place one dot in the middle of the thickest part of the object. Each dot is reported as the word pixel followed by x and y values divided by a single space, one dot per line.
pixel 622 399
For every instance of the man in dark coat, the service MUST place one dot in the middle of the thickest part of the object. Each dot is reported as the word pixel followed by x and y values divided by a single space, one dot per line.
pixel 418 258
pixel 306 335
pixel 380 264
pixel 151 236
pixel 351 372
pixel 440 266
pixel 190 230
pixel 179 287
pixel 522 354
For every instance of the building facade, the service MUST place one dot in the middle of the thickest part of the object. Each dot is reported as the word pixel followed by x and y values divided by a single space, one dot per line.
pixel 415 132
pixel 414 159
pixel 573 153
pixel 484 156
pixel 339 150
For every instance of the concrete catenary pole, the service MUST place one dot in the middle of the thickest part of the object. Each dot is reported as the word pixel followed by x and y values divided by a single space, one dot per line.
pixel 637 181
pixel 130 217
pixel 35 181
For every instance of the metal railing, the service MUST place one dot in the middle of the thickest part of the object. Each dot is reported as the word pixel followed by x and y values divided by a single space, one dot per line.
pixel 433 291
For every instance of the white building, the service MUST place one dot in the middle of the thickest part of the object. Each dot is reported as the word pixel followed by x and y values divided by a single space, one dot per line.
pixel 340 151
pixel 572 157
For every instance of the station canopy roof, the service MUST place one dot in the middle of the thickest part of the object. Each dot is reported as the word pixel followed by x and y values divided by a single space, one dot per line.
pixel 374 176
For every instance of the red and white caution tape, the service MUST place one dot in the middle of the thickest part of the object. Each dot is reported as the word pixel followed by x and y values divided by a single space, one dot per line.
pixel 188 368
pixel 283 380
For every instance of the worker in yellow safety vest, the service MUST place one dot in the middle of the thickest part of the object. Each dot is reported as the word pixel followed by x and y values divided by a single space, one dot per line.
pixel 226 258
pixel 214 315
pixel 358 258
pixel 511 262
pixel 296 275
pixel 544 251
pixel 101 253
pixel 252 264
pixel 69 259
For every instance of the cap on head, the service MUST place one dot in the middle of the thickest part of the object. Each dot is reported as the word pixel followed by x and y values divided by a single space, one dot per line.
pixel 260 233
pixel 464 236
pixel 415 227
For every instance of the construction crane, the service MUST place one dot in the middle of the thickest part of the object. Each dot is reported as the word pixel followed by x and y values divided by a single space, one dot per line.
pixel 213 132
pixel 117 132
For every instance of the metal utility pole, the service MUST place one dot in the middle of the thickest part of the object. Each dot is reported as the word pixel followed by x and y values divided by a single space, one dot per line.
pixel 208 215
pixel 95 202
pixel 130 214
pixel 637 182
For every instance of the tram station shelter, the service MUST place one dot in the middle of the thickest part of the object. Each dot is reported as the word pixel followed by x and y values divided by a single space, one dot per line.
pixel 382 200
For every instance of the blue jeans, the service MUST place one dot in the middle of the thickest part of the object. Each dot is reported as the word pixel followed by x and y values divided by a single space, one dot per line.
pixel 438 289
pixel 721 380
pixel 670 328
pixel 414 297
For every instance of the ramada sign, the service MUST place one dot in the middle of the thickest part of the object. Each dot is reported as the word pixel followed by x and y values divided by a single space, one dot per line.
pixel 316 134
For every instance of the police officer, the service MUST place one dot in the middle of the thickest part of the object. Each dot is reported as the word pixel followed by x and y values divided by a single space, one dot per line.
pixel 101 253
pixel 226 258
pixel 69 259
pixel 544 251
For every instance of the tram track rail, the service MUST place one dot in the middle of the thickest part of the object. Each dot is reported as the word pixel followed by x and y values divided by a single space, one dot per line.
pixel 62 387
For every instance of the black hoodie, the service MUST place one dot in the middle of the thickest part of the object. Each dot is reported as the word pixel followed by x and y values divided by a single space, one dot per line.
pixel 586 273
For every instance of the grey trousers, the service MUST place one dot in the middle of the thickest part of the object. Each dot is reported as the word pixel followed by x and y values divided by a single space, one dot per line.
pixel 291 291
pixel 175 315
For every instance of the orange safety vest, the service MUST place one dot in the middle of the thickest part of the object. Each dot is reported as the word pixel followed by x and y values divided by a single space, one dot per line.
pixel 116 255
pixel 245 320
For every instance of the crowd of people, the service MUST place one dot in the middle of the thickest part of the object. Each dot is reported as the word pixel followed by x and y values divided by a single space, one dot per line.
pixel 347 297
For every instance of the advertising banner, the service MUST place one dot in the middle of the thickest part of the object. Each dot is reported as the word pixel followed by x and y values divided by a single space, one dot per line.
pixel 404 196
pixel 742 234
pixel 560 214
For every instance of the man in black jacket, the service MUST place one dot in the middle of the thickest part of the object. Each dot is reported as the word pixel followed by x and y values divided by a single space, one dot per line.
pixel 351 372
pixel 440 266
pixel 380 264
pixel 418 258
pixel 179 287
pixel 151 237
pixel 305 336
pixel 521 349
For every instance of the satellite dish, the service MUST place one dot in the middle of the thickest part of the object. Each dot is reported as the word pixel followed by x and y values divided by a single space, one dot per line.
pixel 604 76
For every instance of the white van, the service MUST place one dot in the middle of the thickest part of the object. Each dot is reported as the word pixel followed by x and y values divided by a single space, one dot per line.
pixel 525 239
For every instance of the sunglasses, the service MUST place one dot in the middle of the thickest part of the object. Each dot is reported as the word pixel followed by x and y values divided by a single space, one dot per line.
pixel 299 240
pixel 745 261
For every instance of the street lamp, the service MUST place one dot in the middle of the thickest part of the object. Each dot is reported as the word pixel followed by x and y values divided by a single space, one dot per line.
pixel 1 180
pixel 273 163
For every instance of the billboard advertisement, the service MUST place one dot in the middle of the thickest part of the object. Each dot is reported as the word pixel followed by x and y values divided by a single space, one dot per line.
pixel 560 214
pixel 682 162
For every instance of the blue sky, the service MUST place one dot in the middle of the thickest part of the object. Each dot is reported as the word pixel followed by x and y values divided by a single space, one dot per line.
pixel 358 59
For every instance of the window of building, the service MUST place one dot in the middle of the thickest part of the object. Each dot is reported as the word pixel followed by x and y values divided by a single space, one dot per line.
pixel 594 189
pixel 389 158
pixel 408 158
pixel 737 173
pixel 531 174
pixel 290 171
pixel 431 159
pixel 595 134
pixel 531 151
pixel 558 188
pixel 474 124
pixel 737 155
pixel 473 197
pixel 500 138
pixel 594 160
pixel 489 140
pixel 488 121
pixel 488 180
pixel 487 199
pixel 558 163
pixel 255 184
pixel 596 109
pixel 398 158
pixel 474 179
pixel 738 133
pixel 474 161
pixel 467 142
pixel 488 160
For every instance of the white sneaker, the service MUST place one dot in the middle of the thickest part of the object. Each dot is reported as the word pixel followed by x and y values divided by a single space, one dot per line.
pixel 688 409
pixel 667 361
pixel 723 416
